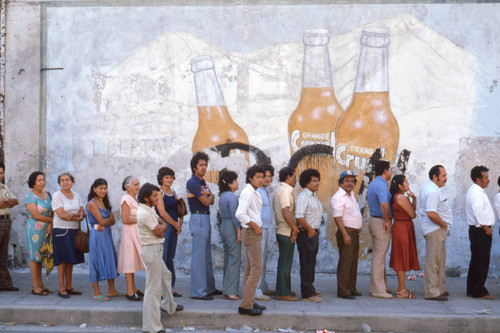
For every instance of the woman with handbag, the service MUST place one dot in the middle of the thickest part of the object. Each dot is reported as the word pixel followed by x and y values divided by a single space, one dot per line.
pixel 39 206
pixel 167 210
pixel 129 257
pixel 102 255
pixel 69 212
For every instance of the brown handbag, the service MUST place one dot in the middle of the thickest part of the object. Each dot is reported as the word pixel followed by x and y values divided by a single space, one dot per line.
pixel 82 239
pixel 180 208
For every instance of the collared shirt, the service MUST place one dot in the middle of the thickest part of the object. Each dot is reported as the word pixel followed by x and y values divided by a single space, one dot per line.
pixel 377 194
pixel 432 199
pixel 70 206
pixel 147 220
pixel 5 194
pixel 478 210
pixel 228 203
pixel 309 207
pixel 267 209
pixel 195 188
pixel 497 205
pixel 346 206
pixel 284 198
pixel 249 207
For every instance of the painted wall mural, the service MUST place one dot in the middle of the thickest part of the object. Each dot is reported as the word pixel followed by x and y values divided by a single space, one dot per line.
pixel 326 93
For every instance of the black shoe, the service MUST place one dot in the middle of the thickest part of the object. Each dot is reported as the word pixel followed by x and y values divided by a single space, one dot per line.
pixel 176 294
pixel 250 312
pixel 63 295
pixel 348 297
pixel 179 308
pixel 217 292
pixel 134 297
pixel 259 307
pixel 357 294
pixel 447 293
pixel 139 293
pixel 437 298
pixel 72 291
pixel 204 298
pixel 10 289
pixel 161 331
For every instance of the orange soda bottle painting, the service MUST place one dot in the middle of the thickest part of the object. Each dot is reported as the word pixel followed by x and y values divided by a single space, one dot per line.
pixel 314 119
pixel 215 125
pixel 368 123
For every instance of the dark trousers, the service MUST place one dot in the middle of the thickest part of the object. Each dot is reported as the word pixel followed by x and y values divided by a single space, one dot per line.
pixel 347 268
pixel 480 247
pixel 308 250
pixel 169 247
pixel 5 279
pixel 285 260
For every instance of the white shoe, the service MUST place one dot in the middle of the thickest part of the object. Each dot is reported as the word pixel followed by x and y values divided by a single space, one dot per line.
pixel 382 295
pixel 263 298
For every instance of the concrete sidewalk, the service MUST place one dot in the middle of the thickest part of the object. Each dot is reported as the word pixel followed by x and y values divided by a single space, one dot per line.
pixel 340 315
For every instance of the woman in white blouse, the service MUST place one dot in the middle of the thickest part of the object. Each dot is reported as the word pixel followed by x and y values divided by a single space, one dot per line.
pixel 69 212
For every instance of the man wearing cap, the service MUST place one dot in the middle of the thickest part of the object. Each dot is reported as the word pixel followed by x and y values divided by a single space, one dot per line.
pixel 348 219
pixel 379 197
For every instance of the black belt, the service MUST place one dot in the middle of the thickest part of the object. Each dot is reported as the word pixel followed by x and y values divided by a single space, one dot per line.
pixel 201 213
pixel 5 216
pixel 378 217
pixel 304 230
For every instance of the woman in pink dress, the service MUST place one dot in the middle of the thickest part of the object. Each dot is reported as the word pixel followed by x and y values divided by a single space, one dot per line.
pixel 129 257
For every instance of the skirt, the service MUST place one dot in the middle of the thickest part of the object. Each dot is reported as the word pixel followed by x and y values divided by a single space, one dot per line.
pixel 64 247
pixel 404 255
pixel 129 256
pixel 102 255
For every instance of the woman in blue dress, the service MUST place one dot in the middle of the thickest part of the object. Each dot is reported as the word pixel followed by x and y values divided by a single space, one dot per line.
pixel 166 209
pixel 39 206
pixel 102 255
pixel 230 232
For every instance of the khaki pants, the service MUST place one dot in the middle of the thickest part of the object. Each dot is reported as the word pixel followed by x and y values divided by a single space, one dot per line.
pixel 253 266
pixel 435 261
pixel 158 284
pixel 381 240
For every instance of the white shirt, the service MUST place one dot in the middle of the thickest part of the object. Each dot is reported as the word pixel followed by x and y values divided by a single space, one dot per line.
pixel 346 207
pixel 69 205
pixel 432 199
pixel 249 207
pixel 147 220
pixel 478 208
pixel 497 205
pixel 308 207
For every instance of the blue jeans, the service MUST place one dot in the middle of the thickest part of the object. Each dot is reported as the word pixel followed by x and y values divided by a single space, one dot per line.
pixel 169 247
pixel 202 274
pixel 232 258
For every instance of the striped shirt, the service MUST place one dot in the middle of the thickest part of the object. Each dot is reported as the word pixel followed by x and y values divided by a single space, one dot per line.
pixel 308 207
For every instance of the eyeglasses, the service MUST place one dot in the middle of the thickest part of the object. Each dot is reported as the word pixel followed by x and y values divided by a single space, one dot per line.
pixel 65 180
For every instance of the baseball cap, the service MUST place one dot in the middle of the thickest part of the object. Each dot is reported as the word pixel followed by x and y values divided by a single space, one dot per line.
pixel 346 173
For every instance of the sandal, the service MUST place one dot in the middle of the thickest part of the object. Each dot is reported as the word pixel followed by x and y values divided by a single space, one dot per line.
pixel 232 297
pixel 118 294
pixel 38 293
pixel 47 290
pixel 101 298
pixel 63 293
pixel 140 293
pixel 72 291
pixel 410 295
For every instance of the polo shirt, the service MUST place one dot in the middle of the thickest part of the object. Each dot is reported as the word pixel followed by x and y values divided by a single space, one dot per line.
pixel 195 188
pixel 377 194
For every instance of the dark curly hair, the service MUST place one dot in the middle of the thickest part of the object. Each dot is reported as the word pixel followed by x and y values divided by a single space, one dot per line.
pixel 164 171
pixel 32 178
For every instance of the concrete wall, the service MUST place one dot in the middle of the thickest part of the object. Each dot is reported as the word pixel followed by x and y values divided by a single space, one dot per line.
pixel 124 102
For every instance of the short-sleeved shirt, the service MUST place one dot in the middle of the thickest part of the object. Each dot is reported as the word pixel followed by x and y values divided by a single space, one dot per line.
pixel 147 220
pixel 344 205
pixel 432 199
pixel 59 200
pixel 478 210
pixel 5 194
pixel 195 188
pixel 267 208
pixel 308 207
pixel 284 198
pixel 132 204
pixel 377 194
pixel 497 205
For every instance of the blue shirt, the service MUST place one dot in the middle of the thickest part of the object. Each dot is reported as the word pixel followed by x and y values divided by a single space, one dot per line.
pixel 195 188
pixel 378 193
pixel 228 203
pixel 267 212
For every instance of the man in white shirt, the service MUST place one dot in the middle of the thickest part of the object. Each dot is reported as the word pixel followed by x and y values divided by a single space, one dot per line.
pixel 436 218
pixel 481 219
pixel 497 201
pixel 248 213
pixel 308 212
pixel 158 277
pixel 348 219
